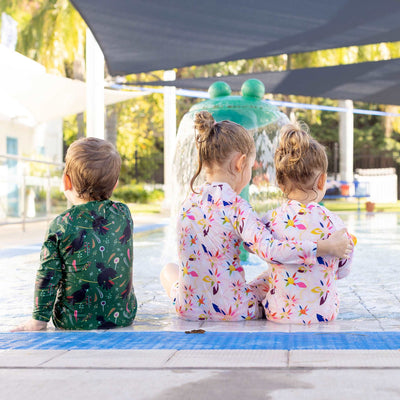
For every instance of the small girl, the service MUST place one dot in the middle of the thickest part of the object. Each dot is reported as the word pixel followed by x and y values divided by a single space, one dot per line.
pixel 307 293
pixel 209 283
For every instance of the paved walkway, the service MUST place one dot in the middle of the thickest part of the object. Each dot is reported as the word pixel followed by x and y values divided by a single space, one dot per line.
pixel 355 357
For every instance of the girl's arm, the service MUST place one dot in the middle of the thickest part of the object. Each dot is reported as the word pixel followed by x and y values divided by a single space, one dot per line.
pixel 260 240
pixel 345 262
pixel 338 245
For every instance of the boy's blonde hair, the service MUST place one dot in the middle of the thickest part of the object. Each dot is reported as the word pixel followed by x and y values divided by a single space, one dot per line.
pixel 93 165
pixel 216 141
pixel 299 159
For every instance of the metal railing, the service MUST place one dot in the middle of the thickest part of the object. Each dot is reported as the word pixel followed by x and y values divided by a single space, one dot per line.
pixel 30 189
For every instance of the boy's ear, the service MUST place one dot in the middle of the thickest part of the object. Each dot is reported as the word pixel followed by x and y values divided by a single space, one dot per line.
pixel 321 181
pixel 67 182
pixel 116 184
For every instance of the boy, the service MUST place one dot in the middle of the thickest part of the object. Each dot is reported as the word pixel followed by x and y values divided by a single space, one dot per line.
pixel 85 277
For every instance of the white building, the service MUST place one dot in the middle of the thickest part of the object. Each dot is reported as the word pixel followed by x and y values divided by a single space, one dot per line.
pixel 32 106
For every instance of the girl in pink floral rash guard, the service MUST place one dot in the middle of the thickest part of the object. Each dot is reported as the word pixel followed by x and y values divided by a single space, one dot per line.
pixel 303 294
pixel 209 282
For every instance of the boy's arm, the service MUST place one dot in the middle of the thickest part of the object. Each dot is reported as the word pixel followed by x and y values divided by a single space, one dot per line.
pixel 47 278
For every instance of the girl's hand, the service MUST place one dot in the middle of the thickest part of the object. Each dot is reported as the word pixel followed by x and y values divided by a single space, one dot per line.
pixel 31 325
pixel 247 248
pixel 338 245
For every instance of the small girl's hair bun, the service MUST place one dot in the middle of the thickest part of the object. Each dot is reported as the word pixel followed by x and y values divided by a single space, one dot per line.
pixel 294 142
pixel 204 123
pixel 298 159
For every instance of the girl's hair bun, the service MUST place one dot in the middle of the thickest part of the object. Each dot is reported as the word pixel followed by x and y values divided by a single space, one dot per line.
pixel 203 124
pixel 216 142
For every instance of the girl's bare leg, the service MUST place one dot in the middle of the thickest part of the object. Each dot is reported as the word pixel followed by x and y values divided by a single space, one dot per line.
pixel 168 276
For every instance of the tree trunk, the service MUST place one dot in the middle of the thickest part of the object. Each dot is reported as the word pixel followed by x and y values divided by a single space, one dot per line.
pixel 288 110
pixel 80 121
pixel 389 121
pixel 79 73
pixel 112 123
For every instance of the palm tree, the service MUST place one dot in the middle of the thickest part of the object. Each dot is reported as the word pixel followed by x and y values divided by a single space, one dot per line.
pixel 53 33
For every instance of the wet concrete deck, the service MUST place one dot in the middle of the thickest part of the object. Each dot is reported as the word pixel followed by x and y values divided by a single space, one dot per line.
pixel 370 307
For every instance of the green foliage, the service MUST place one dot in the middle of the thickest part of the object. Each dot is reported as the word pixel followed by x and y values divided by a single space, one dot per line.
pixel 393 145
pixel 70 129
pixel 136 193
pixel 369 132
pixel 49 31
pixel 140 139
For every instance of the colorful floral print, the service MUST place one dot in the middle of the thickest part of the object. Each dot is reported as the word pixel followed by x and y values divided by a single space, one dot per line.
pixel 85 277
pixel 211 226
pixel 305 294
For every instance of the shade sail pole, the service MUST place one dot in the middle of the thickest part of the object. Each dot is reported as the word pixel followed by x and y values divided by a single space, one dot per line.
pixel 169 136
pixel 94 87
pixel 346 140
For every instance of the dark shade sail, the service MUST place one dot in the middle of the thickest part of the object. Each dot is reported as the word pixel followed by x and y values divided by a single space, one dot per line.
pixel 147 35
pixel 371 82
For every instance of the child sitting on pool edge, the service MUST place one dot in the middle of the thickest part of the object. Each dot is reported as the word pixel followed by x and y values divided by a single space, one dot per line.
pixel 209 283
pixel 305 294
pixel 85 275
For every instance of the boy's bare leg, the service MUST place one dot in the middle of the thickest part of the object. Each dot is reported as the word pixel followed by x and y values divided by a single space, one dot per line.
pixel 169 276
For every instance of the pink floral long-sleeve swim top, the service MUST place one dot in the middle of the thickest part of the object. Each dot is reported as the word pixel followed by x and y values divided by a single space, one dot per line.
pixel 305 294
pixel 211 226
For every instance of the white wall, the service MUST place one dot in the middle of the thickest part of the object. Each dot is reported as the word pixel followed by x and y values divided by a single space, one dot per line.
pixel 43 139
pixel 42 142
pixel 382 184
pixel 49 136
pixel 23 133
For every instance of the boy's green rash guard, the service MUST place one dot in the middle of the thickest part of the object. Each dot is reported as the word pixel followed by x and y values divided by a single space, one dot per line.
pixel 85 277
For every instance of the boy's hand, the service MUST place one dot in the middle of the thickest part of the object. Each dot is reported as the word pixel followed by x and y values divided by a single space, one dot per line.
pixel 31 325
pixel 338 245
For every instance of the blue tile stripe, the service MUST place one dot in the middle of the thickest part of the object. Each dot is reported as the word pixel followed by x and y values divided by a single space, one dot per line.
pixel 98 340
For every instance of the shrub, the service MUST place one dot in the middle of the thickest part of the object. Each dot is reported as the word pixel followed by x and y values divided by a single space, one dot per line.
pixel 136 193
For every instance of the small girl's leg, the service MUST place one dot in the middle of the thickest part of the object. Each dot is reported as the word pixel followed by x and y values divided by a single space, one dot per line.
pixel 169 276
